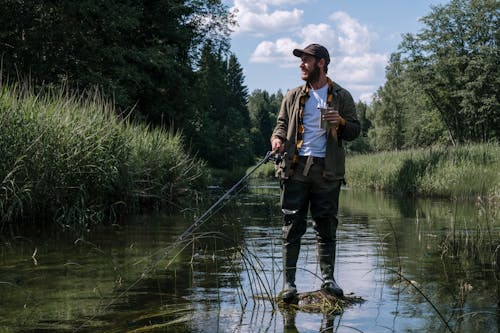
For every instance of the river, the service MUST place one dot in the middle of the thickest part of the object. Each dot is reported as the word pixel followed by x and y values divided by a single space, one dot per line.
pixel 420 265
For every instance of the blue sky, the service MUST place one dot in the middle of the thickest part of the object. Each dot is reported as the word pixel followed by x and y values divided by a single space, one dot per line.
pixel 359 34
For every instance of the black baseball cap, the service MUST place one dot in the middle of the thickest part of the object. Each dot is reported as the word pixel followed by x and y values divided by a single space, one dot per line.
pixel 316 50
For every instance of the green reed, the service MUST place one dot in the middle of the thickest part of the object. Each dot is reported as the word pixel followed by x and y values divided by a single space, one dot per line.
pixel 466 171
pixel 68 158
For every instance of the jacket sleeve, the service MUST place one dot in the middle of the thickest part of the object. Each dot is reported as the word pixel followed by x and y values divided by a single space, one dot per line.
pixel 351 129
pixel 281 128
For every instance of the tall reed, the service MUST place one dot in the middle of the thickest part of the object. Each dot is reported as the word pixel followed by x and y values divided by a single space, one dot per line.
pixel 68 158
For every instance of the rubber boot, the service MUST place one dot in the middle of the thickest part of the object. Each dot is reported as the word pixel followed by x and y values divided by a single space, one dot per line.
pixel 289 322
pixel 326 253
pixel 290 257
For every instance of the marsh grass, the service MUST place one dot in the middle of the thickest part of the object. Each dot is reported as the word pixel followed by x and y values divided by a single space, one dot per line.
pixel 468 248
pixel 474 243
pixel 466 171
pixel 68 158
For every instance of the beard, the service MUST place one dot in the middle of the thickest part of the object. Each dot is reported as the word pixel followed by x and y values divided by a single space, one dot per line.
pixel 314 75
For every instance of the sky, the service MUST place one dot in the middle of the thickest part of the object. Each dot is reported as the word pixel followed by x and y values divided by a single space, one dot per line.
pixel 359 34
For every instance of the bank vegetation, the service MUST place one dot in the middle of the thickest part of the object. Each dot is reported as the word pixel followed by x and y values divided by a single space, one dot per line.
pixel 466 172
pixel 68 159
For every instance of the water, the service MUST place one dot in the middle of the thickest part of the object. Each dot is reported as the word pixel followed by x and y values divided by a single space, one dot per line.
pixel 400 255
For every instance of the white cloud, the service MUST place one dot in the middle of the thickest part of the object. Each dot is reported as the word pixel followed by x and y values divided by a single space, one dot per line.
pixel 255 17
pixel 318 33
pixel 366 97
pixel 279 52
pixel 362 68
pixel 353 37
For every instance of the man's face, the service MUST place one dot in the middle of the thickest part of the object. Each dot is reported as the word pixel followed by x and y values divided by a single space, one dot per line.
pixel 310 71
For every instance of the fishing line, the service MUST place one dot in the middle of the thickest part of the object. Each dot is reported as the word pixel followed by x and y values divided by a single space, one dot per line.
pixel 270 156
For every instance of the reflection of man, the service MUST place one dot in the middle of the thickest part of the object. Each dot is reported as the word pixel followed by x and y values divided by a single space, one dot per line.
pixel 289 322
pixel 313 169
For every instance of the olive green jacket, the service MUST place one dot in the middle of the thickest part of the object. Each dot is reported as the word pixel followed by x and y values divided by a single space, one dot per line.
pixel 287 124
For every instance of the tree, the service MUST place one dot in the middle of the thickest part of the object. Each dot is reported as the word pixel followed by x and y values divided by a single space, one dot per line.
pixel 222 134
pixel 239 118
pixel 141 53
pixel 365 123
pixel 361 144
pixel 388 109
pixel 263 109
pixel 455 61
pixel 259 107
pixel 402 114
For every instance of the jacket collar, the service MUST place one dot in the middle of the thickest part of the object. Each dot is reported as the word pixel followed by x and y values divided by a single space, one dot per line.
pixel 332 86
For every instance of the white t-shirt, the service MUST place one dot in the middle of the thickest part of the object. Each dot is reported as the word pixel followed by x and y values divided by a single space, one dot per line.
pixel 314 142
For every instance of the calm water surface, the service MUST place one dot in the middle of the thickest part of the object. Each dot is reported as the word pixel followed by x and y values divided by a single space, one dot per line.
pixel 414 262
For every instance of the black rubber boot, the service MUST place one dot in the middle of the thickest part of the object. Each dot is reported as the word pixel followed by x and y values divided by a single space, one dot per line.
pixel 290 257
pixel 326 253
pixel 289 322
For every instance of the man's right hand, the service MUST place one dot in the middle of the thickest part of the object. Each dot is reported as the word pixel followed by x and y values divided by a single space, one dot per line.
pixel 277 145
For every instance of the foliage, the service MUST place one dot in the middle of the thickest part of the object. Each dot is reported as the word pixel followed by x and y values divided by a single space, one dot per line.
pixel 141 53
pixel 66 158
pixel 402 116
pixel 263 109
pixel 222 126
pixel 455 63
pixel 361 144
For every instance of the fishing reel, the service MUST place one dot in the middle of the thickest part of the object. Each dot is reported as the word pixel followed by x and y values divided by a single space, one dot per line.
pixel 277 158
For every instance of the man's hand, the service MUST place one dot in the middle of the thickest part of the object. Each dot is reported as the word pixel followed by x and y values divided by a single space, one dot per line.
pixel 277 145
pixel 333 117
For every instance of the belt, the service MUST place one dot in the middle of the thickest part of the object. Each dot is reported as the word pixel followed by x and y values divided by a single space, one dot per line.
pixel 309 161
pixel 315 160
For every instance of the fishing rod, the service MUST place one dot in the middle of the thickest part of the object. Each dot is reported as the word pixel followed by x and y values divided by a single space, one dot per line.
pixel 270 156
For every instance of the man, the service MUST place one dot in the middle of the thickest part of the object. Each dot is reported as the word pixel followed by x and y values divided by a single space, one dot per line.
pixel 313 168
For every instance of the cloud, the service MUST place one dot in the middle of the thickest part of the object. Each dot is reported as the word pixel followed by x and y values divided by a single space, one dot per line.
pixel 256 18
pixel 363 68
pixel 317 33
pixel 353 65
pixel 353 37
pixel 366 97
pixel 279 52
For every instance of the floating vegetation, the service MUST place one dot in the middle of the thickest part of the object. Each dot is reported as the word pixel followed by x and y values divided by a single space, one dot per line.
pixel 318 301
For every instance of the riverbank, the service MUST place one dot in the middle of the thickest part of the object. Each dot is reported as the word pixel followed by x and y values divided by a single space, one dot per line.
pixel 70 160
pixel 463 172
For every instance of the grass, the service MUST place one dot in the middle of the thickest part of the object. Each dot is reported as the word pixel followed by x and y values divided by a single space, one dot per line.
pixel 466 171
pixel 69 159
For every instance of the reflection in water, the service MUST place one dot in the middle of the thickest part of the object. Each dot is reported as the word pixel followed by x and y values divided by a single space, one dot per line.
pixel 413 261
pixel 289 326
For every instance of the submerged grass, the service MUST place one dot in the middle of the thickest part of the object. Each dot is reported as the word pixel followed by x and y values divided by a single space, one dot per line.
pixel 70 159
pixel 466 171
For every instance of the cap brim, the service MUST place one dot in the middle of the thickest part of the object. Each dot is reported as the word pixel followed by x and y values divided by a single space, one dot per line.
pixel 298 52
